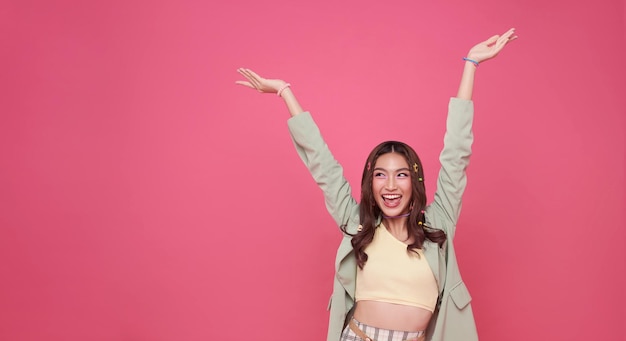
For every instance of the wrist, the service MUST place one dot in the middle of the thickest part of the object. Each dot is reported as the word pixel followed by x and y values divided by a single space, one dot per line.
pixel 282 88
pixel 470 60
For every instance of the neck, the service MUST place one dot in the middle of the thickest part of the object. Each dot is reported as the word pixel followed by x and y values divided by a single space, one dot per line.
pixel 397 228
pixel 396 216
pixel 395 224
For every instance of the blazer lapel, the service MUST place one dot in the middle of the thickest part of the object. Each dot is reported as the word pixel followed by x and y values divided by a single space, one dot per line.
pixel 436 261
pixel 346 266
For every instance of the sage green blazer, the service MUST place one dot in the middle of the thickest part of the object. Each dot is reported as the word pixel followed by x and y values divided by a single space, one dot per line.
pixel 453 318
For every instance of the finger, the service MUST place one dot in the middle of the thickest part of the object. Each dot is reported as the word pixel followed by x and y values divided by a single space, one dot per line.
pixel 501 43
pixel 509 35
pixel 251 78
pixel 242 72
pixel 246 73
pixel 254 74
pixel 500 40
pixel 255 79
pixel 244 83
pixel 506 38
pixel 510 32
pixel 491 40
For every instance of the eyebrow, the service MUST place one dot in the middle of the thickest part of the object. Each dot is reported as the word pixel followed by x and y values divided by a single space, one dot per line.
pixel 397 170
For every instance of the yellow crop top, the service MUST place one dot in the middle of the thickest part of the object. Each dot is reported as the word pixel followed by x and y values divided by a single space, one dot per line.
pixel 394 275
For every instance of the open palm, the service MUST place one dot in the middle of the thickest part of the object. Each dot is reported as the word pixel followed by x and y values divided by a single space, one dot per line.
pixel 491 47
pixel 259 83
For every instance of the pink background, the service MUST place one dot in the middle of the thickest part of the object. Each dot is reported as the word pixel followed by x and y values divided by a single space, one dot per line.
pixel 144 196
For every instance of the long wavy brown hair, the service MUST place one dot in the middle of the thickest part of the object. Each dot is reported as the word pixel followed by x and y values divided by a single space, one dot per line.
pixel 369 210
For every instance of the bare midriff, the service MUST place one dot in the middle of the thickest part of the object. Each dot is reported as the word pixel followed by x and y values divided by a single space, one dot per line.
pixel 392 316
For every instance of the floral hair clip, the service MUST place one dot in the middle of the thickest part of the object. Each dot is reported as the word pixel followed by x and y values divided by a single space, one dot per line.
pixel 415 167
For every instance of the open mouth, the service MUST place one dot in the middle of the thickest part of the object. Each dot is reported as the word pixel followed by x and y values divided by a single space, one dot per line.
pixel 391 200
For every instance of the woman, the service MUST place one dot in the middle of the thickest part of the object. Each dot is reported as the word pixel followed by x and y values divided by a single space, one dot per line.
pixel 397 277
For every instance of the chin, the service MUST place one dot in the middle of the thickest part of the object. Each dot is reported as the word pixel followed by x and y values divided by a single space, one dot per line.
pixel 393 213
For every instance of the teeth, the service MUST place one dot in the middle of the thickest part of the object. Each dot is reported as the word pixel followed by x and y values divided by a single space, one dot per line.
pixel 391 196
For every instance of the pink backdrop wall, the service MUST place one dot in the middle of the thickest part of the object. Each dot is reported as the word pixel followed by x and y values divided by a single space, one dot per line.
pixel 144 196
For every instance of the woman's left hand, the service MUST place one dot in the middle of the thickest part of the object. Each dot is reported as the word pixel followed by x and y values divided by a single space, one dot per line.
pixel 491 47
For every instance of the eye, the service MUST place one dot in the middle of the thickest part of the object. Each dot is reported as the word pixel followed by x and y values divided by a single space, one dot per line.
pixel 403 175
pixel 379 175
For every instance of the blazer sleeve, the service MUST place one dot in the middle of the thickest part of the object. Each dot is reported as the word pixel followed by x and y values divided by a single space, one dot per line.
pixel 454 160
pixel 326 171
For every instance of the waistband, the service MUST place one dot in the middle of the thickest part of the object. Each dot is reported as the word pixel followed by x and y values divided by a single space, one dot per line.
pixel 421 335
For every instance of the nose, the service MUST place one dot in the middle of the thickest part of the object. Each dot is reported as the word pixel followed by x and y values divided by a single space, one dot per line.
pixel 390 184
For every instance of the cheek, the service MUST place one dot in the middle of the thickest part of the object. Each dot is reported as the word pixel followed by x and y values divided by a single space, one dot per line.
pixel 407 187
pixel 377 184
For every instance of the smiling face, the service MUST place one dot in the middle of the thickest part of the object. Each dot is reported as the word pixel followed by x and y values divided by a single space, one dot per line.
pixel 391 184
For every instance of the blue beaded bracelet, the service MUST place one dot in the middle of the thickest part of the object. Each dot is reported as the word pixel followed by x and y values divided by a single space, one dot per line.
pixel 471 61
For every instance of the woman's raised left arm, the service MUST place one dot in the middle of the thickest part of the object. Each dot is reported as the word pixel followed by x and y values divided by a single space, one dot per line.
pixel 454 158
pixel 478 54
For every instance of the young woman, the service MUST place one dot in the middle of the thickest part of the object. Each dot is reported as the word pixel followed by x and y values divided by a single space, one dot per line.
pixel 397 276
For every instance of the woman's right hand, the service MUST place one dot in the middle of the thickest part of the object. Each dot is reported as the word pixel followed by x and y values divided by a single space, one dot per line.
pixel 259 83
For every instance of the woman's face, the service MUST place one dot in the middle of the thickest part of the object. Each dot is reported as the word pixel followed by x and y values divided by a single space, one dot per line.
pixel 391 184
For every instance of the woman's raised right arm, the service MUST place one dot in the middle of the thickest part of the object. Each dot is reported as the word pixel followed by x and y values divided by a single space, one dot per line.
pixel 277 86
pixel 313 151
